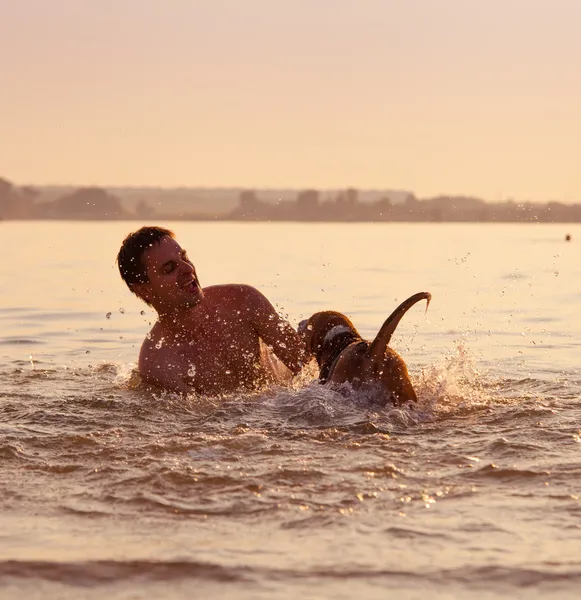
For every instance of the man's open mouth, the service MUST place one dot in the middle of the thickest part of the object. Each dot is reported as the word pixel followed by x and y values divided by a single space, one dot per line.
pixel 190 286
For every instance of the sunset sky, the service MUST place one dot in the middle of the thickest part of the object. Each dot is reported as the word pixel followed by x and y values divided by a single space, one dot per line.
pixel 434 96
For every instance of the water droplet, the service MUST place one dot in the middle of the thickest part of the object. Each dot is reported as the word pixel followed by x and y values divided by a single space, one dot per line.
pixel 142 313
pixel 122 311
pixel 108 315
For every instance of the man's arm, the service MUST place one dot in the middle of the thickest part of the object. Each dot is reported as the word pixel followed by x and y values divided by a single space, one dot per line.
pixel 274 331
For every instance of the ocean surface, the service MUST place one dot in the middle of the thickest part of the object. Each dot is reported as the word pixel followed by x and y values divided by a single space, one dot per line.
pixel 110 491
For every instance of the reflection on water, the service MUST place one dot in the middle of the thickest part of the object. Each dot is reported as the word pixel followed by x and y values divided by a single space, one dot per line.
pixel 303 490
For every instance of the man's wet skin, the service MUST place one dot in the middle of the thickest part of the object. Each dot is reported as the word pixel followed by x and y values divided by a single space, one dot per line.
pixel 208 340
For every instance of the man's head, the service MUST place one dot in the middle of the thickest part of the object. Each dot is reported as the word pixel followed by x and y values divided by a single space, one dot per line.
pixel 158 270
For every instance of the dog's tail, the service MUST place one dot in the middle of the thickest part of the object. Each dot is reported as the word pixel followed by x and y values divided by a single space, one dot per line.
pixel 379 344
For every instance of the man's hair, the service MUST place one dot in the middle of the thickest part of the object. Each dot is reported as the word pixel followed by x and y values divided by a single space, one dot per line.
pixel 130 256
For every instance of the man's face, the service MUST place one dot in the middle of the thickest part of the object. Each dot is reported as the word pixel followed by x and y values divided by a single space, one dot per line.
pixel 173 283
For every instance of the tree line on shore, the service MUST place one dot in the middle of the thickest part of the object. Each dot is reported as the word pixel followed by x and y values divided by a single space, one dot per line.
pixel 95 203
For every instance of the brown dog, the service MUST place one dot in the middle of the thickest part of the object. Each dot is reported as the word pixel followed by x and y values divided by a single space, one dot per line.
pixel 344 356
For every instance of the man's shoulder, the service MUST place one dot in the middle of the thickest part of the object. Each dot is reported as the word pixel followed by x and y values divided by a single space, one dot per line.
pixel 161 366
pixel 230 288
pixel 231 292
pixel 153 349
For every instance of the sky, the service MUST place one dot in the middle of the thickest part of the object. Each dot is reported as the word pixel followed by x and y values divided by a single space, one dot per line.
pixel 433 96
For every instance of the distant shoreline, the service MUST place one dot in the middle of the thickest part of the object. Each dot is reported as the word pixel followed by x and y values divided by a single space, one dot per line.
pixel 268 206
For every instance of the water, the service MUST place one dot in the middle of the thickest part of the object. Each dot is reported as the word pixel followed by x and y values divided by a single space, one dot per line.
pixel 110 491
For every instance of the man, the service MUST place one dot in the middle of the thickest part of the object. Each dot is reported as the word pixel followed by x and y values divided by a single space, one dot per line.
pixel 206 340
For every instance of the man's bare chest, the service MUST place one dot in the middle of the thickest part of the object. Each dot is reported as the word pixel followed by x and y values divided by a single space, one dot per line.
pixel 218 345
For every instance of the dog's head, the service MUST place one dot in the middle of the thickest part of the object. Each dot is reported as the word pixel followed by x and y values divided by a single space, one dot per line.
pixel 319 330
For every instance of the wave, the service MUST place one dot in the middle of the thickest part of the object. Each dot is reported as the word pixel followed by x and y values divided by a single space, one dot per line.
pixel 108 571
pixel 15 340
pixel 99 572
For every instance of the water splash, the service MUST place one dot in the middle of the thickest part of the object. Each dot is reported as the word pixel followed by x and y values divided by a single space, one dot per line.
pixel 453 386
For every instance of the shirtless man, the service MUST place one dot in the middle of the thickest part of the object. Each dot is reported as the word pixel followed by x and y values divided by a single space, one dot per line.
pixel 206 340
